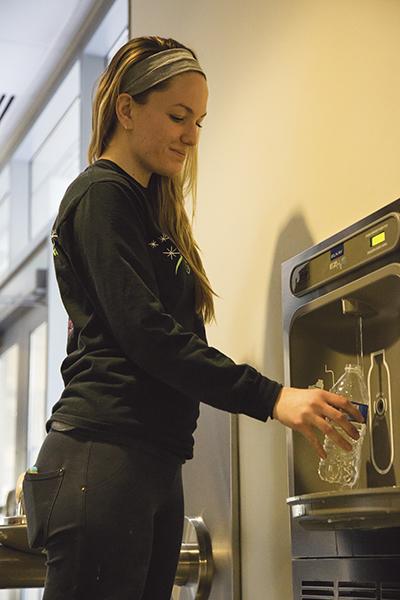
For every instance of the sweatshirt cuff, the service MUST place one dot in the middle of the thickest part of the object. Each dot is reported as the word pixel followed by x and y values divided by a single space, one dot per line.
pixel 261 398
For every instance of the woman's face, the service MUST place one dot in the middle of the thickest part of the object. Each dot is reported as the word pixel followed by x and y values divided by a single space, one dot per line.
pixel 164 129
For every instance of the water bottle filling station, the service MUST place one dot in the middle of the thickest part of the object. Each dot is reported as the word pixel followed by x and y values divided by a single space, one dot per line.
pixel 341 303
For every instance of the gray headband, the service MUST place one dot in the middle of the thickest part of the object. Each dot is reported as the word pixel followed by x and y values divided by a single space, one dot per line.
pixel 158 67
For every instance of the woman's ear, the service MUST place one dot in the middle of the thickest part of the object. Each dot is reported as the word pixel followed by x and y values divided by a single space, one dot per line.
pixel 124 111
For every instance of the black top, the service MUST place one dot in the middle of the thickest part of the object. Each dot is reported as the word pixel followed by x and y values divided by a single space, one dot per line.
pixel 138 363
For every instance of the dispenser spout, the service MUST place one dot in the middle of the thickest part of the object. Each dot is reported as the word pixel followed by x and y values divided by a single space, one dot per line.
pixel 357 308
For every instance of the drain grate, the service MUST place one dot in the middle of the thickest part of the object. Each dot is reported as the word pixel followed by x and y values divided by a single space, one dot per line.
pixel 317 590
pixel 390 590
pixel 357 590
pixel 350 590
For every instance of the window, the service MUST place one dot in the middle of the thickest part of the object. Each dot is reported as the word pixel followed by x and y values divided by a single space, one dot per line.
pixel 122 39
pixel 41 167
pixel 37 391
pixel 8 423
pixel 53 167
pixel 4 218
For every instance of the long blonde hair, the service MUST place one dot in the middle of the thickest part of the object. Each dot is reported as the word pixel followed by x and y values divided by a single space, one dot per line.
pixel 170 192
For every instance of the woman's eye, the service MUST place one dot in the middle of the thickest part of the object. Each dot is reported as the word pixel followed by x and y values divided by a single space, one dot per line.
pixel 181 119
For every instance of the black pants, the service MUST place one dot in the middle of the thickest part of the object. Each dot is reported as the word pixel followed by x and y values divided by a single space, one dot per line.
pixel 110 517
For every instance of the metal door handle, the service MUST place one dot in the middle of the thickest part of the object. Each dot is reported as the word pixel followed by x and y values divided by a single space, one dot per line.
pixel 196 567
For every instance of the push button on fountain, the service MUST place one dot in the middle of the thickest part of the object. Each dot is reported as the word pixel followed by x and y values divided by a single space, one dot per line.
pixel 380 406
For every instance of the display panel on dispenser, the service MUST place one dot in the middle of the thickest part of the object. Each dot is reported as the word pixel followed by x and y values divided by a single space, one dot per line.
pixel 364 246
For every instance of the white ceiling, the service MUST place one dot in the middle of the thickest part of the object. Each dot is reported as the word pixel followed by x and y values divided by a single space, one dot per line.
pixel 37 37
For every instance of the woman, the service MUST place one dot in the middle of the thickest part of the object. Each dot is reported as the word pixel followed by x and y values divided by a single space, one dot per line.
pixel 105 495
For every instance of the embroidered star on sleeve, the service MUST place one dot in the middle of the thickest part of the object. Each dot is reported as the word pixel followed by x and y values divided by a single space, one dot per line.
pixel 171 252
pixel 153 244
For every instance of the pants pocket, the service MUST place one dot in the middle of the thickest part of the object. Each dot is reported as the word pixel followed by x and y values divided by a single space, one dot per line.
pixel 40 493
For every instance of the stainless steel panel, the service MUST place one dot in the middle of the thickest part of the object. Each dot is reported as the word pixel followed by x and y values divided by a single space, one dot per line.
pixel 211 491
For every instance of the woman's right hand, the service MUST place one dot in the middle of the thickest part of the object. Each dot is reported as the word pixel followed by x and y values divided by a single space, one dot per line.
pixel 308 410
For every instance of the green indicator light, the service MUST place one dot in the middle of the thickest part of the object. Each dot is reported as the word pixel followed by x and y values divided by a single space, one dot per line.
pixel 378 239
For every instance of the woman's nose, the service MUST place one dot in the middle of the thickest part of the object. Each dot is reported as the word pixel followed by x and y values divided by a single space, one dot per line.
pixel 190 135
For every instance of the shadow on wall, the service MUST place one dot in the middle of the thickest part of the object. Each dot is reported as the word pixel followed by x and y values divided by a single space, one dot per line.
pixel 294 238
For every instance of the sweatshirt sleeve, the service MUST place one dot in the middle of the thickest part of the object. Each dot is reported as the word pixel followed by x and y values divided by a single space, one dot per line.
pixel 107 239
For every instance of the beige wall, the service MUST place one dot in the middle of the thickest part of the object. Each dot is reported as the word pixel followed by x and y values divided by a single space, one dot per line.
pixel 302 138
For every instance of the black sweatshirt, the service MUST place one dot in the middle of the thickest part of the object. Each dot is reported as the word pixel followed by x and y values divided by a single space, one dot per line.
pixel 138 363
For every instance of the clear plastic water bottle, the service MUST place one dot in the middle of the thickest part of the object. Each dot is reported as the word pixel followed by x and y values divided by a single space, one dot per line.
pixel 340 466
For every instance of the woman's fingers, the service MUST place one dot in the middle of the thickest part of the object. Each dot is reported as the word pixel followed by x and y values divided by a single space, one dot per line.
pixel 342 420
pixel 344 404
pixel 314 441
pixel 310 411
pixel 327 428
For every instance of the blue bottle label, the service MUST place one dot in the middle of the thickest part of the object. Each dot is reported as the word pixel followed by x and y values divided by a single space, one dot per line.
pixel 363 408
